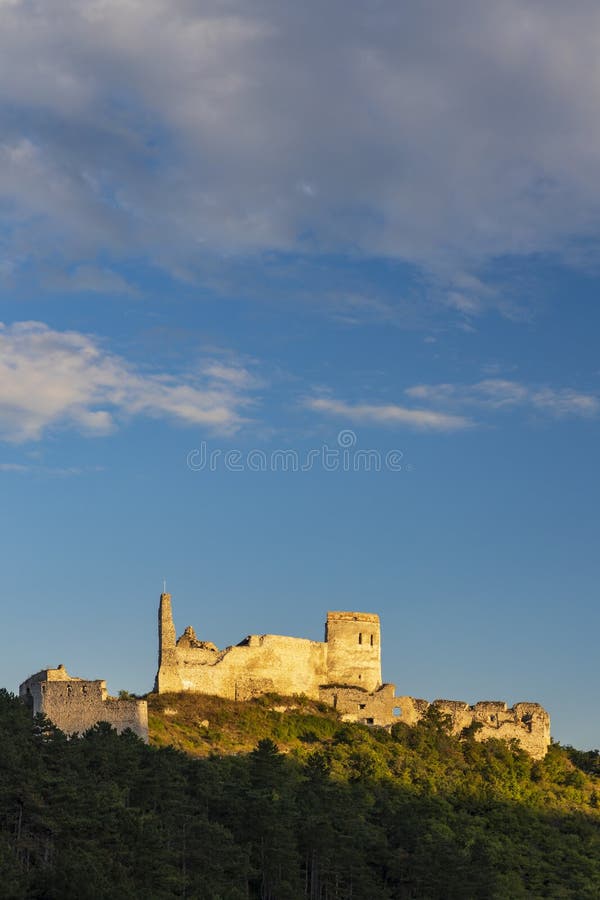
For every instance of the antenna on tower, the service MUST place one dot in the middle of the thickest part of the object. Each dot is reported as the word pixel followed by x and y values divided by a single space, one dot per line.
pixel 164 585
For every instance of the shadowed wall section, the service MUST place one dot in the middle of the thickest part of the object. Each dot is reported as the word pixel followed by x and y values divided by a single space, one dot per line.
pixel 74 704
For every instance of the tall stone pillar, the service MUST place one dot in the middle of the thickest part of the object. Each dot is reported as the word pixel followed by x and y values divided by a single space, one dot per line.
pixel 167 677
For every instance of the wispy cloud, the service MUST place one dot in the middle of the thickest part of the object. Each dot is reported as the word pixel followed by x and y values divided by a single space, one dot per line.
pixel 355 308
pixel 238 376
pixel 498 394
pixel 54 378
pixel 91 279
pixel 52 471
pixel 388 414
pixel 442 407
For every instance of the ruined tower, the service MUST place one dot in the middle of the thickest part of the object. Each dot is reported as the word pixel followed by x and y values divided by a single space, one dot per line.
pixel 76 704
pixel 353 649
pixel 167 676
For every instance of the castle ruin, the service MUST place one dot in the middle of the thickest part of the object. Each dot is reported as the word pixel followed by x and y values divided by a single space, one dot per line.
pixel 343 671
pixel 74 704
pixel 349 655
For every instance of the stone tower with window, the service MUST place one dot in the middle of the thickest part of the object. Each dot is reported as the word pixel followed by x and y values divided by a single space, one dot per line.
pixel 353 649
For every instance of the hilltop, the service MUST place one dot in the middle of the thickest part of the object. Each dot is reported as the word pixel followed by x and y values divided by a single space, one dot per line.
pixel 426 756
pixel 279 799
pixel 344 671
pixel 200 724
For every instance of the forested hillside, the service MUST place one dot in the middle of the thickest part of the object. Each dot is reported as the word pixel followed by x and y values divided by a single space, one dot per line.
pixel 344 812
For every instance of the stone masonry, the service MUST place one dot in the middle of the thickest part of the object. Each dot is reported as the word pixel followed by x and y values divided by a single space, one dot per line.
pixel 74 704
pixel 264 663
pixel 528 723
pixel 344 671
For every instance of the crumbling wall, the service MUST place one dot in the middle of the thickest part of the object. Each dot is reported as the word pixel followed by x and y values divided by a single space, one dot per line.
pixel 260 664
pixel 74 704
pixel 367 707
pixel 267 663
pixel 411 709
pixel 528 723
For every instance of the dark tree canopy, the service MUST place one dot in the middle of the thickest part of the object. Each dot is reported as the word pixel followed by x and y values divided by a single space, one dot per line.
pixel 354 813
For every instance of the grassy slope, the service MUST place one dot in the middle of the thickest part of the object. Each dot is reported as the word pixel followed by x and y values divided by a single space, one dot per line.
pixel 423 759
pixel 180 720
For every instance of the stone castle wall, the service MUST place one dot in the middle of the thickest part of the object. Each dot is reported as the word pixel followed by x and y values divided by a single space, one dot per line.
pixel 74 704
pixel 344 671
pixel 366 707
pixel 528 723
pixel 259 665
pixel 267 663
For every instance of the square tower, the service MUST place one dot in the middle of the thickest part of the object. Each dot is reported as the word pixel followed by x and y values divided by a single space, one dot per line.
pixel 354 649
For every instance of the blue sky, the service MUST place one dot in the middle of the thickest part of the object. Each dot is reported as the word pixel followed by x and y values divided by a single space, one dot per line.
pixel 275 229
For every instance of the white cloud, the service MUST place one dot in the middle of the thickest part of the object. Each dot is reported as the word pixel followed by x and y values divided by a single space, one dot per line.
pixel 65 379
pixel 565 402
pixel 440 133
pixel 388 414
pixel 498 394
pixel 441 406
pixel 236 375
